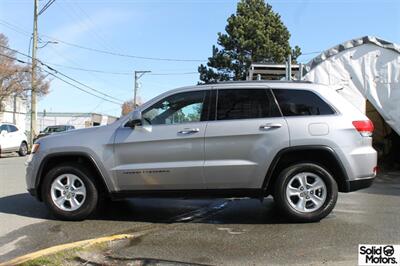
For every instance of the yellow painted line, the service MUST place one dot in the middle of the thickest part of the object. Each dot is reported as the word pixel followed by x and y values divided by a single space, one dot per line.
pixel 58 248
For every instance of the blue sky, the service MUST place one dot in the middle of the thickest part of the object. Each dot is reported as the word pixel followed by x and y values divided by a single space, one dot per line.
pixel 169 29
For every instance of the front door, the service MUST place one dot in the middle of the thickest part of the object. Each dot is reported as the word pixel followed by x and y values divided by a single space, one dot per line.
pixel 241 142
pixel 167 151
pixel 14 136
pixel 5 138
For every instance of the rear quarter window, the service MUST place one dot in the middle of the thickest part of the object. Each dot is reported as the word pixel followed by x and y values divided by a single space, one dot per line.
pixel 301 103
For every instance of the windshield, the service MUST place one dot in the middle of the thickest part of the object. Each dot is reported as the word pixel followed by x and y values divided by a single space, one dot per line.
pixel 54 129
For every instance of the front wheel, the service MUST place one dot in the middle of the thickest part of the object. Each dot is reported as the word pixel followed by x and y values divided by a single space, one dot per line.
pixel 306 192
pixel 70 192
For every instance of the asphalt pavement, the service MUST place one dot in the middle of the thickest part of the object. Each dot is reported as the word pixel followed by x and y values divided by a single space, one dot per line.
pixel 211 232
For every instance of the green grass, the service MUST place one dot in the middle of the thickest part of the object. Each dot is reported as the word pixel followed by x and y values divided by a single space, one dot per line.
pixel 59 258
pixel 66 257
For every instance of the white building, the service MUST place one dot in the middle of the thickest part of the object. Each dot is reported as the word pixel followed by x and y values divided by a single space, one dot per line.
pixel 78 120
pixel 14 111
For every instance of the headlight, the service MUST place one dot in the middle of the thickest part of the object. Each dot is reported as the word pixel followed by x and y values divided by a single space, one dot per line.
pixel 35 148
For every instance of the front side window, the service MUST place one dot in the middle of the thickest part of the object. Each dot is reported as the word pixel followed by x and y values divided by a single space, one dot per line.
pixel 301 102
pixel 179 108
pixel 245 104
pixel 4 127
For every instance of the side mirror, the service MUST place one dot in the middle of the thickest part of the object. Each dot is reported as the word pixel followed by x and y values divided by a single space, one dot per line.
pixel 135 119
pixel 3 132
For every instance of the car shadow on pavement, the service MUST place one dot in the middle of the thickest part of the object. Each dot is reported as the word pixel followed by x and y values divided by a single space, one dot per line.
pixel 23 205
pixel 173 210
pixel 215 211
pixel 386 183
pixel 159 210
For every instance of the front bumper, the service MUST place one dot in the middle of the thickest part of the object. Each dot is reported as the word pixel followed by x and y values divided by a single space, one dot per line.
pixel 31 175
pixel 33 192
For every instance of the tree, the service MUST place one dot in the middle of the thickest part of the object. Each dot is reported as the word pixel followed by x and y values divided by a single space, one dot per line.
pixel 127 106
pixel 15 79
pixel 254 34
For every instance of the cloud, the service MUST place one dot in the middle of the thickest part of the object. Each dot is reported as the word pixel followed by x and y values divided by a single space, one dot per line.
pixel 103 18
pixel 80 28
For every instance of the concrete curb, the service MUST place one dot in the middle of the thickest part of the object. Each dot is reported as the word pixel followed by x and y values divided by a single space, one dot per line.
pixel 62 247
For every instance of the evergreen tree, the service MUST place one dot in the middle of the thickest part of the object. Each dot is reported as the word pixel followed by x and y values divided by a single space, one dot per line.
pixel 254 34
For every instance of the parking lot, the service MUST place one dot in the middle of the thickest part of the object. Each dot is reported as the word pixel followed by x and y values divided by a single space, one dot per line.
pixel 212 232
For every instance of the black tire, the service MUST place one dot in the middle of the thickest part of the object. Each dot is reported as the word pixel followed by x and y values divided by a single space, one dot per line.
pixel 92 195
pixel 283 203
pixel 23 149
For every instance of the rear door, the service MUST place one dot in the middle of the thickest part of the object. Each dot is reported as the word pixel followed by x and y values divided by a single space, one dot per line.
pixel 167 151
pixel 241 142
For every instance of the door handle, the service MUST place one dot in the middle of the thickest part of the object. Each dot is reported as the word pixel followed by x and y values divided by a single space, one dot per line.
pixel 270 126
pixel 188 131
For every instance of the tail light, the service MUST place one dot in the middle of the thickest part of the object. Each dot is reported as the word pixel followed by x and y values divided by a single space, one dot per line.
pixel 364 127
pixel 376 170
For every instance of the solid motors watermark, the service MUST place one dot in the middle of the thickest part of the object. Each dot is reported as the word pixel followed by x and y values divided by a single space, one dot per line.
pixel 378 254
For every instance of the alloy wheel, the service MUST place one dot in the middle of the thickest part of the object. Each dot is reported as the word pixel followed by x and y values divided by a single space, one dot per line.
pixel 306 192
pixel 68 192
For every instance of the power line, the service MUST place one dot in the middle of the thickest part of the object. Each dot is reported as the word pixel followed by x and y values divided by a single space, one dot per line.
pixel 14 28
pixel 57 72
pixel 111 52
pixel 13 58
pixel 52 74
pixel 88 92
pixel 97 76
pixel 120 73
pixel 89 21
pixel 46 6
pixel 62 74
pixel 122 54
pixel 80 83
pixel 70 11
pixel 21 31
pixel 91 70
pixel 173 74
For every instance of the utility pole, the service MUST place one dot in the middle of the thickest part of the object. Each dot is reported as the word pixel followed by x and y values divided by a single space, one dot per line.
pixel 289 67
pixel 36 14
pixel 33 74
pixel 138 75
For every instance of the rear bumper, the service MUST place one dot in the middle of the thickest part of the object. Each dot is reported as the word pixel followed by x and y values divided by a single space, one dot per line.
pixel 357 184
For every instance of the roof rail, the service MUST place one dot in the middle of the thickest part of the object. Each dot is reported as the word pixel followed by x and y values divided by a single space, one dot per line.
pixel 256 81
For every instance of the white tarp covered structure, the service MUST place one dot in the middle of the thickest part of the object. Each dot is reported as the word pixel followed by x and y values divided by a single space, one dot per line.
pixel 360 69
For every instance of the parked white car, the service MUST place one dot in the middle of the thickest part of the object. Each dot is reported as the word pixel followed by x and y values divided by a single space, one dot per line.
pixel 12 139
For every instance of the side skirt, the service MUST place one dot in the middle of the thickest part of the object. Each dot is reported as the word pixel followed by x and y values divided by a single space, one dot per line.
pixel 191 193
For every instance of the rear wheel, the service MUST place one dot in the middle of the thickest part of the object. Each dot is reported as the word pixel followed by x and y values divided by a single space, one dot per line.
pixel 23 149
pixel 70 192
pixel 306 192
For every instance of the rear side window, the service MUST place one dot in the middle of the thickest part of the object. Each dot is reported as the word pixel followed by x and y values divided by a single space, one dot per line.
pixel 301 102
pixel 245 104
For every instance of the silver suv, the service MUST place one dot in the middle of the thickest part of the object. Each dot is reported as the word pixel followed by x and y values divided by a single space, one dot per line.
pixel 297 141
